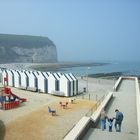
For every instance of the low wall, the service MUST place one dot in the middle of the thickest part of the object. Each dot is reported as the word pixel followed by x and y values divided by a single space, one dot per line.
pixel 117 84
pixel 138 105
pixel 79 129
pixel 96 115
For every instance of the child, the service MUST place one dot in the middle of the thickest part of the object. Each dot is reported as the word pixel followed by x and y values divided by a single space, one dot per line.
pixel 110 120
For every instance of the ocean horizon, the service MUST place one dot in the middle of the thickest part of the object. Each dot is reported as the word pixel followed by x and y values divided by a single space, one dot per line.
pixel 92 69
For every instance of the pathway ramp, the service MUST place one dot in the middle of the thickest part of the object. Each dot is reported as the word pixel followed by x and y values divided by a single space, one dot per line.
pixel 124 100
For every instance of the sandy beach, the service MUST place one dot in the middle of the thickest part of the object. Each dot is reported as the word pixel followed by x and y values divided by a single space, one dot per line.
pixel 31 120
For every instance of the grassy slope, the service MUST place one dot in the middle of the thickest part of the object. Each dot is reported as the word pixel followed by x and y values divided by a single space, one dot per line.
pixel 25 41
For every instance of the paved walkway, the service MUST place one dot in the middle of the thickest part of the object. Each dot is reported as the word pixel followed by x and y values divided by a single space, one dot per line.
pixel 125 101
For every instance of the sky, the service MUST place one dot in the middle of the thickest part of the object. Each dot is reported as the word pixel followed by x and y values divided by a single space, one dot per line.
pixel 82 30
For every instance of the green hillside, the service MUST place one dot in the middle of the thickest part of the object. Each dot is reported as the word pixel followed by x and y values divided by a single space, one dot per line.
pixel 24 41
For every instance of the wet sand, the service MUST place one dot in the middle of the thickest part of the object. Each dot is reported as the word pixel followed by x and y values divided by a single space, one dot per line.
pixel 47 66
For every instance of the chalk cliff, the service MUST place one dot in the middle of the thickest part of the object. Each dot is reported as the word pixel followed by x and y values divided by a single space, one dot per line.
pixel 24 48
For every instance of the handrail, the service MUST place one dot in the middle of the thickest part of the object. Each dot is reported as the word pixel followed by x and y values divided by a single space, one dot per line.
pixel 92 110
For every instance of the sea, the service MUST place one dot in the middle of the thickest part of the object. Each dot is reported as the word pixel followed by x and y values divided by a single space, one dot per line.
pixel 124 68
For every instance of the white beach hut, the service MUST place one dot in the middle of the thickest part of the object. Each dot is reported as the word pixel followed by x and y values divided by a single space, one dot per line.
pixel 24 80
pixel 56 75
pixel 52 82
pixel 71 86
pixel 45 74
pixel 75 83
pixel 55 78
pixel 58 82
pixel 10 78
pixel 32 81
pixel 59 74
pixel 17 78
pixel 65 85
pixel 42 82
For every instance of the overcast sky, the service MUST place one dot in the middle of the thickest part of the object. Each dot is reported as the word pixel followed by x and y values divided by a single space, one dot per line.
pixel 82 30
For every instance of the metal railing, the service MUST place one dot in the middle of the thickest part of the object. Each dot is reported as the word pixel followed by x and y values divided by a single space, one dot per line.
pixel 93 95
pixel 94 108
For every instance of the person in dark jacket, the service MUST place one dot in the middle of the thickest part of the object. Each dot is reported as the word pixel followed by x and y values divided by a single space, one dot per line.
pixel 118 120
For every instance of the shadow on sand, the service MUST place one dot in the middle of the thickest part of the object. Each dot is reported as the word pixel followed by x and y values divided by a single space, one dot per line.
pixel 2 130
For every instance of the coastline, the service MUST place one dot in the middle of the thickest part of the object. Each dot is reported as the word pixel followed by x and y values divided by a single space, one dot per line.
pixel 51 65
pixel 111 75
pixel 63 66
pixel 60 66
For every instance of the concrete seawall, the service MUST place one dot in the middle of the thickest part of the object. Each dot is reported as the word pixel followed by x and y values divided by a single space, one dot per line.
pixel 87 122
pixel 117 84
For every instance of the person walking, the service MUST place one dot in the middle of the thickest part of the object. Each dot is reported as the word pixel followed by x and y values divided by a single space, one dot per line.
pixel 118 120
pixel 103 117
pixel 110 121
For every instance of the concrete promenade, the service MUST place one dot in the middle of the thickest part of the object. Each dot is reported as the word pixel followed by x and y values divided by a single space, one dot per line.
pixel 124 100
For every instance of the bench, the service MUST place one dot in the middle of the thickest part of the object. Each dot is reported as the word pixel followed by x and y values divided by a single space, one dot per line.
pixel 52 111
pixel 63 104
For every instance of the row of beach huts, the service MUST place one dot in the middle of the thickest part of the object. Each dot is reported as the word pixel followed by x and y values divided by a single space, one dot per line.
pixel 60 84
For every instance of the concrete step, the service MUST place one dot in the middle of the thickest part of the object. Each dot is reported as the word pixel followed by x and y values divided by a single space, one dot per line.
pixel 98 134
